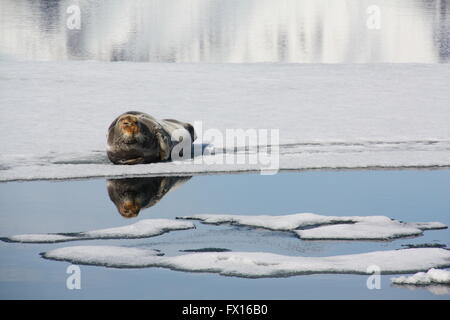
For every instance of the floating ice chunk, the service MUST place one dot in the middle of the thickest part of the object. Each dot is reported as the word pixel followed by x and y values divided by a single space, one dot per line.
pixel 280 223
pixel 432 276
pixel 141 229
pixel 428 225
pixel 39 238
pixel 257 264
pixel 109 256
pixel 368 228
pixel 327 227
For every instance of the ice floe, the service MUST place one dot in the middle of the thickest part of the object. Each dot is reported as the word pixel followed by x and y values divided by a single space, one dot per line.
pixel 141 229
pixel 110 256
pixel 432 276
pixel 366 125
pixel 313 226
pixel 256 264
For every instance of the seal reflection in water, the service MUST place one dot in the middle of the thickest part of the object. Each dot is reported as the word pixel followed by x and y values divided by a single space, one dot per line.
pixel 133 194
pixel 136 137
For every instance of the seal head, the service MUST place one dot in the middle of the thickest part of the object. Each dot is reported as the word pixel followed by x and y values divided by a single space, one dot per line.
pixel 133 194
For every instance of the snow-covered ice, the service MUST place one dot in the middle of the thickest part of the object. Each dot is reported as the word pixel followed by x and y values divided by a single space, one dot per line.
pixel 282 222
pixel 432 276
pixel 54 115
pixel 370 228
pixel 40 238
pixel 256 264
pixel 141 229
pixel 327 227
pixel 111 256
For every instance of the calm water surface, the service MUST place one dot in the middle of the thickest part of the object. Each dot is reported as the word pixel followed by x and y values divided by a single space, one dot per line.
pixel 71 206
pixel 306 31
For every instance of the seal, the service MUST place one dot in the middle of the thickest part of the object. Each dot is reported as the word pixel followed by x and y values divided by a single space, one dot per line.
pixel 135 137
pixel 133 194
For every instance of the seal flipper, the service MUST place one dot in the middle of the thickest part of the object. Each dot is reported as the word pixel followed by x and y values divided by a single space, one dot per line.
pixel 189 127
pixel 191 130
pixel 132 161
pixel 164 145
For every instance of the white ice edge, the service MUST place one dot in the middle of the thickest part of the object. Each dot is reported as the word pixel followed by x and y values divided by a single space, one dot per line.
pixel 432 276
pixel 141 229
pixel 257 264
pixel 327 227
pixel 28 167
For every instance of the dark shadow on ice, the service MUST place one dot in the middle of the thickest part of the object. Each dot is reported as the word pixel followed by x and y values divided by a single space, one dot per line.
pixel 198 150
pixel 133 194
pixel 206 250
pixel 425 245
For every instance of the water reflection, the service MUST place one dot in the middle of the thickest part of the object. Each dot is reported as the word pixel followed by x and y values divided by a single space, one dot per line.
pixel 227 31
pixel 133 194
pixel 436 289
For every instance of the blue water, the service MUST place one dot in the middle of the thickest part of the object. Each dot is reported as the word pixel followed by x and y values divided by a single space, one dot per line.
pixel 71 206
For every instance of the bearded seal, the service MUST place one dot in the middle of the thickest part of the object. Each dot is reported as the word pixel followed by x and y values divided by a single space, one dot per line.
pixel 133 194
pixel 136 137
